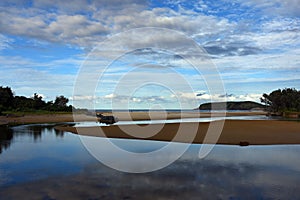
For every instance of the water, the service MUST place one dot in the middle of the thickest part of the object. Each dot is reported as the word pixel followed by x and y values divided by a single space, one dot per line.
pixel 169 121
pixel 37 162
pixel 169 110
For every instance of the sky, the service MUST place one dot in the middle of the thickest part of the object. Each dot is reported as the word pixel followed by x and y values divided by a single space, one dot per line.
pixel 254 46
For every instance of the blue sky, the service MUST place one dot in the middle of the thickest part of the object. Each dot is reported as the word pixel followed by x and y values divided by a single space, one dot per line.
pixel 255 45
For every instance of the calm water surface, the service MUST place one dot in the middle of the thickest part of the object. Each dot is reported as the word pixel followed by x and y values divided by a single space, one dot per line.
pixel 37 162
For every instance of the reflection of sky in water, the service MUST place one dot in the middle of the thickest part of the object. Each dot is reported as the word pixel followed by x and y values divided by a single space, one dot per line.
pixel 55 165
pixel 204 119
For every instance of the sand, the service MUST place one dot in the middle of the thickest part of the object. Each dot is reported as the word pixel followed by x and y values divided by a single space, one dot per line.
pixel 234 132
pixel 237 132
pixel 42 118
pixel 134 116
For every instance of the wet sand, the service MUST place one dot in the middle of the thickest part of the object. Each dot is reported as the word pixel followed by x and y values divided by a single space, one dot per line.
pixel 234 132
pixel 241 132
pixel 157 115
pixel 123 116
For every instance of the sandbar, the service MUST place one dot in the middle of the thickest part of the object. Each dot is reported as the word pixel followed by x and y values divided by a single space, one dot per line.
pixel 234 132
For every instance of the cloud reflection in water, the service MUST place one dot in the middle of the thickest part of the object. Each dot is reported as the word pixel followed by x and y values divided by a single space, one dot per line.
pixel 229 172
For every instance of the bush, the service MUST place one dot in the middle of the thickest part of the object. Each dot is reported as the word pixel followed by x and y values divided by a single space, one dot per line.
pixel 279 100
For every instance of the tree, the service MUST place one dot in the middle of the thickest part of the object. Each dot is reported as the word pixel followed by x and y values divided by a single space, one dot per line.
pixel 61 101
pixel 22 103
pixel 9 102
pixel 38 103
pixel 279 100
pixel 6 97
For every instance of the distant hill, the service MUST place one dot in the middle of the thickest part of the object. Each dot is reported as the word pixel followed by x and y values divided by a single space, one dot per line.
pixel 233 105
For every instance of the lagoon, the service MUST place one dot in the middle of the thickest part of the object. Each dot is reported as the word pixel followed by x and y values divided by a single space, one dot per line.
pixel 39 162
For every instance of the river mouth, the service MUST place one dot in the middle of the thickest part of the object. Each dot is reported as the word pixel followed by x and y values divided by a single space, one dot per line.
pixel 54 165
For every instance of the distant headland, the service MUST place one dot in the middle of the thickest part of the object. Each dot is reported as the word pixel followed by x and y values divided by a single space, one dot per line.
pixel 233 105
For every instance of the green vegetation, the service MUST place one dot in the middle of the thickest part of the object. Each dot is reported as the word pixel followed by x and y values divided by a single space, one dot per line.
pixel 9 103
pixel 232 105
pixel 282 101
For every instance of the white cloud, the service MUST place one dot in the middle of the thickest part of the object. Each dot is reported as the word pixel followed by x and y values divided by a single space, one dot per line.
pixel 181 100
pixel 26 76
pixel 85 31
pixel 186 95
pixel 271 40
pixel 51 27
pixel 281 24
pixel 68 26
pixel 14 24
pixel 25 82
pixel 63 6
pixel 248 50
pixel 167 18
pixel 82 98
pixel 5 42
pixel 206 97
pixel 72 28
pixel 289 60
pixel 138 100
pixel 275 7
pixel 110 96
pixel 17 62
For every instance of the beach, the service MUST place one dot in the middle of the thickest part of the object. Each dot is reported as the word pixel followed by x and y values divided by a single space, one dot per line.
pixel 42 118
pixel 234 132
pixel 122 116
pixel 159 115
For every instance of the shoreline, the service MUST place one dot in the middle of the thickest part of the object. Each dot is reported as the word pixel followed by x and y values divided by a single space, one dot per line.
pixel 41 118
pixel 122 116
pixel 234 132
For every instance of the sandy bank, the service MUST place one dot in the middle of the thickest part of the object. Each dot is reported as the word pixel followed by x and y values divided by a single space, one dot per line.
pixel 235 131
pixel 53 118
pixel 253 132
pixel 43 118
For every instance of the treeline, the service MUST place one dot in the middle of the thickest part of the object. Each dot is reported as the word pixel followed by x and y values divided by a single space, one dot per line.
pixel 10 102
pixel 284 100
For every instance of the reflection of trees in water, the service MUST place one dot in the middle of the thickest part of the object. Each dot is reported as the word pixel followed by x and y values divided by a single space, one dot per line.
pixel 59 133
pixel 6 135
pixel 37 131
pixel 34 131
